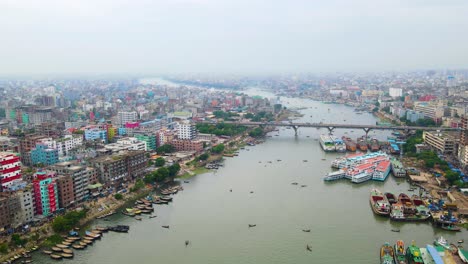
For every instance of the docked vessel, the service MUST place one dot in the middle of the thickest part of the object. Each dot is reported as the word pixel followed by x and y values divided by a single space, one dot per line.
pixel 336 175
pixel 362 145
pixel 360 173
pixel 396 213
pixel 398 170
pixel 381 171
pixel 390 198
pixel 340 146
pixel 327 143
pixel 400 252
pixel 413 254
pixel 434 255
pixel 386 254
pixel 374 145
pixel 379 203
pixel 350 144
pixel 422 212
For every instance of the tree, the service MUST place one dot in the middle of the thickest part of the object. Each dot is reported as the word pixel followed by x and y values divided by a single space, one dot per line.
pixel 218 148
pixel 203 156
pixel 161 174
pixel 174 169
pixel 118 196
pixel 3 248
pixel 256 132
pixel 452 176
pixel 249 116
pixel 159 162
pixel 17 240
pixel 68 221
pixel 166 148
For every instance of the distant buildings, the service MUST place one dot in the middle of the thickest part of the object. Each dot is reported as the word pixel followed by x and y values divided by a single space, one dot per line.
pixel 187 145
pixel 129 143
pixel 126 117
pixel 431 111
pixel 395 92
pixel 44 155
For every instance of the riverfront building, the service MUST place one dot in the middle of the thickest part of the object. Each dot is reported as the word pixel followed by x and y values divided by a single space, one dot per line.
pixel 74 181
pixel 186 130
pixel 45 193
pixel 96 134
pixel 441 142
pixel 431 111
pixel 121 167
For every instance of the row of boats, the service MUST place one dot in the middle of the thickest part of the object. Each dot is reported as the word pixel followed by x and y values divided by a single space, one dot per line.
pixel 439 253
pixel 335 144
pixel 25 257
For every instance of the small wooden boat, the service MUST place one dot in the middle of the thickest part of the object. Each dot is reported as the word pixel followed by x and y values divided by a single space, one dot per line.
pixel 83 243
pixel 251 192
pixel 56 249
pixel 294 183
pixel 27 261
pixel 153 216
pixel 165 226
pixel 65 255
pixel 186 181
pixel 138 218
pixel 67 251
pixel 79 247
pixel 395 230
pixel 55 256
pixel 48 252
pixel 460 241
pixel 187 242
pixel 304 185
pixel 66 243
pixel 304 161
pixel 309 248
pixel 306 230
pixel 252 225
pixel 62 246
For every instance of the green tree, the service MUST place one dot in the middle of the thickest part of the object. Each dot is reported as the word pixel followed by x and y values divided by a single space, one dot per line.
pixel 218 148
pixel 118 196
pixel 159 162
pixel 17 240
pixel 203 156
pixel 2 113
pixel 173 169
pixel 68 221
pixel 249 116
pixel 256 132
pixel 3 248
pixel 166 148
pixel 452 176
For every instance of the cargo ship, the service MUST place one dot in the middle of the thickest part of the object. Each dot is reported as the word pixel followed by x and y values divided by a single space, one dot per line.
pixel 413 254
pixel 327 143
pixel 400 252
pixel 386 254
pixel 361 144
pixel 339 144
pixel 379 203
pixel 350 144
pixel 374 145
pixel 398 170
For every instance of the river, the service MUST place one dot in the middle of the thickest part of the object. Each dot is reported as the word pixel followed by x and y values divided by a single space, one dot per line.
pixel 215 220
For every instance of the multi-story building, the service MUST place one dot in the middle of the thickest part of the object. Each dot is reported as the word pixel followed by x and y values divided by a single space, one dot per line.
pixel 10 169
pixel 463 147
pixel 27 204
pixel 186 130
pixel 441 142
pixel 67 143
pixel 65 191
pixel 121 167
pixel 82 176
pixel 96 134
pixel 129 143
pixel 126 117
pixel 414 116
pixel 187 145
pixel 14 206
pixel 431 111
pixel 27 144
pixel 148 138
pixel 164 137
pixel 50 129
pixel 45 193
pixel 5 220
pixel 395 92
pixel 44 155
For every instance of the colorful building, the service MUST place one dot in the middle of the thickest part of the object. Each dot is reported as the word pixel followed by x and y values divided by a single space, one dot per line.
pixel 149 139
pixel 45 193
pixel 10 169
pixel 95 133
pixel 42 154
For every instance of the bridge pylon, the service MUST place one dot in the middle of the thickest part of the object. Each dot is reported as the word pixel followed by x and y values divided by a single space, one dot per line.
pixel 330 130
pixel 295 130
pixel 367 130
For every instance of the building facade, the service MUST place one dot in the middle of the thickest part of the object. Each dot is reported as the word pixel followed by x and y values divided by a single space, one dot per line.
pixel 441 142
pixel 126 117
pixel 187 145
pixel 10 169
pixel 66 193
pixel 81 176
pixel 186 130
pixel 45 193
pixel 96 134
pixel 44 155
pixel 121 167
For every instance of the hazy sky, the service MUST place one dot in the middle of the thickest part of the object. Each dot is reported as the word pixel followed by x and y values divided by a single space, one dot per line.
pixel 239 36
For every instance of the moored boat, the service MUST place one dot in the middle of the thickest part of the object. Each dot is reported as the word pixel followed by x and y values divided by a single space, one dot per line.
pixel 413 254
pixel 390 197
pixel 362 145
pixel 350 144
pixel 374 145
pixel 400 252
pixel 379 203
pixel 340 146
pixel 55 256
pixel 396 213
pixel 327 143
pixel 386 254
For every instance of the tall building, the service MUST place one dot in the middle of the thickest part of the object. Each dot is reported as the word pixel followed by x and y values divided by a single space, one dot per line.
pixel 96 134
pixel 441 142
pixel 148 138
pixel 27 144
pixel 395 92
pixel 126 117
pixel 81 176
pixel 122 167
pixel 463 147
pixel 186 130
pixel 65 191
pixel 44 155
pixel 45 193
pixel 10 169
pixel 431 111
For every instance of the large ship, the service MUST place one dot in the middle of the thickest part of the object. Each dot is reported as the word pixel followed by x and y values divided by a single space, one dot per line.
pixel 413 253
pixel 350 144
pixel 362 145
pixel 339 145
pixel 413 209
pixel 374 145
pixel 398 170
pixel 400 252
pixel 386 254
pixel 422 212
pixel 327 143
pixel 379 203
pixel 381 171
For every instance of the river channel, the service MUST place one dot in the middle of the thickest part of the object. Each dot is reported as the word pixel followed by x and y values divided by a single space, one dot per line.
pixel 215 220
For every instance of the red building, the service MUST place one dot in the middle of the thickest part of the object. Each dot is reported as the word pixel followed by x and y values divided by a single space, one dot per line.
pixel 10 169
pixel 45 193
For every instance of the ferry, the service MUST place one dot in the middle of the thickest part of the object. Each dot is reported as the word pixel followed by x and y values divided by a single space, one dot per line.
pixel 350 144
pixel 421 208
pixel 400 252
pixel 413 253
pixel 398 170
pixel 327 143
pixel 360 173
pixel 336 175
pixel 379 203
pixel 381 171
pixel 339 145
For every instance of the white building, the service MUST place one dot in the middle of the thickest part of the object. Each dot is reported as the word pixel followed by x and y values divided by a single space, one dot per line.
pixel 129 143
pixel 395 92
pixel 126 117
pixel 186 130
pixel 27 205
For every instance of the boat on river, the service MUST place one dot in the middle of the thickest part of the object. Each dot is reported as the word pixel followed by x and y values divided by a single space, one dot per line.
pixel 362 145
pixel 413 254
pixel 390 197
pixel 379 203
pixel 340 146
pixel 398 170
pixel 400 252
pixel 374 145
pixel 350 144
pixel 386 254
pixel 327 143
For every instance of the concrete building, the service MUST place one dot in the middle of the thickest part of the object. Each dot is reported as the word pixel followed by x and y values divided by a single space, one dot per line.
pixel 82 176
pixel 431 111
pixel 186 130
pixel 27 144
pixel 149 139
pixel 122 167
pixel 26 198
pixel 10 169
pixel 45 193
pixel 463 147
pixel 414 116
pixel 126 117
pixel 66 192
pixel 5 220
pixel 96 134
pixel 187 145
pixel 42 154
pixel 67 143
pixel 164 137
pixel 441 142
pixel 129 143
pixel 395 92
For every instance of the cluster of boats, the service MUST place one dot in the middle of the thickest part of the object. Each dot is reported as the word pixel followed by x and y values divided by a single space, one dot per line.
pixel 439 253
pixel 25 257
pixel 213 165
pixel 334 144
pixel 402 208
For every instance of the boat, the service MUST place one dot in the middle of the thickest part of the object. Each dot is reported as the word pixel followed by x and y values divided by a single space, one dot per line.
pixel 138 218
pixel 56 249
pixel 381 171
pixel 396 213
pixel 374 145
pixel 398 170
pixel 422 212
pixel 252 225
pixel 362 145
pixel 434 254
pixel 152 216
pixel 386 254
pixel 413 254
pixel 400 252
pixel 390 197
pixel 327 143
pixel 48 252
pixel 68 251
pixel 409 210
pixel 379 203
pixel 79 247
pixel 350 144
pixel 65 255
pixel 441 241
pixel 55 256
pixel 396 230
pixel 165 226
pixel 306 230
pixel 463 254
pixel 340 146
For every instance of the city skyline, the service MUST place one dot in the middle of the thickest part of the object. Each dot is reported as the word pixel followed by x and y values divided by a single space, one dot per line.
pixel 240 37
